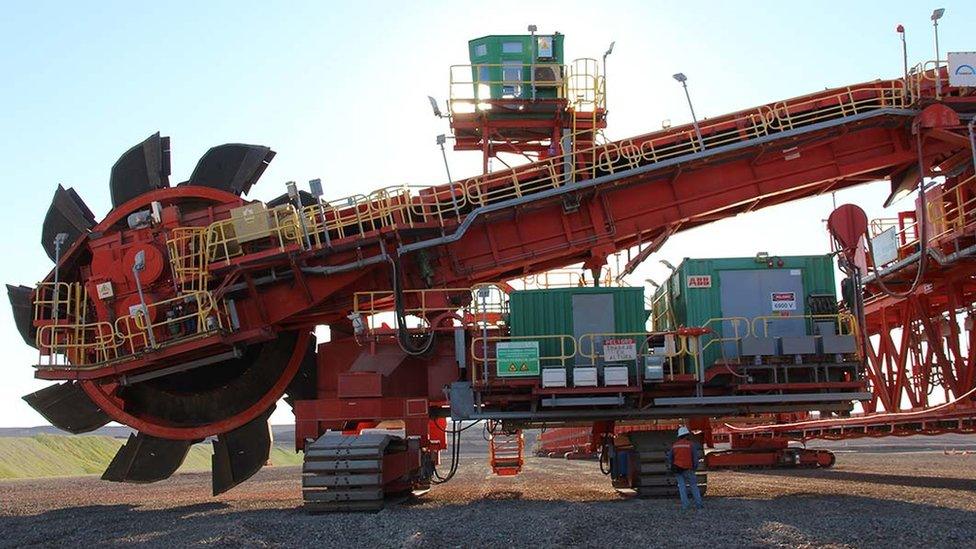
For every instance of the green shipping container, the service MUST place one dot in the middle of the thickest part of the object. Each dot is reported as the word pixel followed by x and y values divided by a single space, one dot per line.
pixel 574 312
pixel 504 63
pixel 701 290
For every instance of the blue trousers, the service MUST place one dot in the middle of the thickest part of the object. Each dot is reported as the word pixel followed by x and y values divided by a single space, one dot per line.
pixel 688 477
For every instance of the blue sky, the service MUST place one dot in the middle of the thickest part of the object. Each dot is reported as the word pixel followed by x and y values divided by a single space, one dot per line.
pixel 339 91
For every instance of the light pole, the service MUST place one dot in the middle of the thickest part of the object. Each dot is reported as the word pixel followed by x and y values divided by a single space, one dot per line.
pixel 137 267
pixel 296 199
pixel 315 187
pixel 900 29
pixel 441 139
pixel 972 138
pixel 680 77
pixel 535 48
pixel 605 55
pixel 936 15
pixel 59 241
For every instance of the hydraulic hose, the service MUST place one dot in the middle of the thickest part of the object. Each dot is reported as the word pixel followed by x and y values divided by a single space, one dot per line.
pixel 455 451
pixel 403 337
pixel 605 458
pixel 923 243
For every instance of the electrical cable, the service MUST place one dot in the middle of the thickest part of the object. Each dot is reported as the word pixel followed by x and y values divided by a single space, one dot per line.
pixel 922 232
pixel 605 458
pixel 455 455
pixel 401 318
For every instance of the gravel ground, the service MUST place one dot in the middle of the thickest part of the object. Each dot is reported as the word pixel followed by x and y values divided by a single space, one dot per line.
pixel 868 500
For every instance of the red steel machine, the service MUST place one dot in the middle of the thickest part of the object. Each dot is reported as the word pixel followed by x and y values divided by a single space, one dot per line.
pixel 187 311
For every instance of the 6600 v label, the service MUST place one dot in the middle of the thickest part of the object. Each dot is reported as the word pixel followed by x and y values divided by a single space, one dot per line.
pixel 783 301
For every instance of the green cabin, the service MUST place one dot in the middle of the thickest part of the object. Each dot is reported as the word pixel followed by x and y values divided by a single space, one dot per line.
pixel 584 314
pixel 508 66
pixel 775 295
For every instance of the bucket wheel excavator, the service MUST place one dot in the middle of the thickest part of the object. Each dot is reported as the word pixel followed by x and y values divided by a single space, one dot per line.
pixel 227 395
pixel 187 312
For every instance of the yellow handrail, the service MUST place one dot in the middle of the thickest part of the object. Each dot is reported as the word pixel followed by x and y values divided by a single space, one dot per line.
pixel 436 206
pixel 90 346
pixel 562 278
pixel 205 315
pixel 942 219
pixel 75 344
pixel 479 343
pixel 643 349
pixel 434 301
pixel 71 298
pixel 736 322
pixel 187 247
pixel 844 320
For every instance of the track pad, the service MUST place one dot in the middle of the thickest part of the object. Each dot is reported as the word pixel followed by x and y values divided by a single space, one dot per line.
pixel 240 453
pixel 144 458
pixel 67 407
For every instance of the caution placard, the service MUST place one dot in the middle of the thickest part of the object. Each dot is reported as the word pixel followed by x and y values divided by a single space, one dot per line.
pixel 517 358
pixel 619 350
pixel 783 301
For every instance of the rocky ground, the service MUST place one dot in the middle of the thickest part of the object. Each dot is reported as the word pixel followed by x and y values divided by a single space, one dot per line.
pixel 920 498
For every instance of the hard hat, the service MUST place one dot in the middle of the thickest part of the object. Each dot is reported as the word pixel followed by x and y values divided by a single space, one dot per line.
pixel 683 431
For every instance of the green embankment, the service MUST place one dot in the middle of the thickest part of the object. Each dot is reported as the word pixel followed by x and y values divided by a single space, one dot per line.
pixel 64 456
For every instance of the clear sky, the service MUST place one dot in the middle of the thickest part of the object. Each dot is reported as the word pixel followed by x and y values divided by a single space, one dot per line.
pixel 339 91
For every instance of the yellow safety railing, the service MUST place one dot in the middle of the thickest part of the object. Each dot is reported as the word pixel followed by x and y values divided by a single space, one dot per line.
pixel 951 211
pixel 584 348
pixel 565 351
pixel 587 348
pixel 589 341
pixel 662 314
pixel 63 301
pixel 846 324
pixel 80 346
pixel 428 301
pixel 764 120
pixel 468 303
pixel 436 206
pixel 187 247
pixel 741 327
pixel 75 344
pixel 562 278
pixel 586 87
pixel 923 75
pixel 199 308
pixel 473 87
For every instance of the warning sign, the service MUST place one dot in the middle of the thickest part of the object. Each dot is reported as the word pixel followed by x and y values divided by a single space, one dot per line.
pixel 618 350
pixel 700 281
pixel 784 301
pixel 517 358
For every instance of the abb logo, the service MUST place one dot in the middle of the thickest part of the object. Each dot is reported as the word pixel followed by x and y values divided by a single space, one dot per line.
pixel 700 281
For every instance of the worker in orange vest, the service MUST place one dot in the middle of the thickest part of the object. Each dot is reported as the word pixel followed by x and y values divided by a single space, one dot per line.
pixel 683 460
